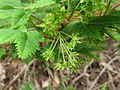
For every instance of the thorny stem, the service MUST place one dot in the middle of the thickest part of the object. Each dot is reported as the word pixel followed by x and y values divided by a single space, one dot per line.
pixel 108 6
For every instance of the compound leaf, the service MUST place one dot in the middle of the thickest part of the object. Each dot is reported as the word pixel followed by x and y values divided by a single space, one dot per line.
pixel 21 17
pixel 9 35
pixel 6 13
pixel 28 44
pixel 10 3
pixel 39 4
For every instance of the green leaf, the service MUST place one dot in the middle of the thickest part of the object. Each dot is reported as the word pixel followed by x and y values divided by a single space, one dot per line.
pixel 2 52
pixel 9 35
pixel 27 86
pixel 4 23
pixel 21 17
pixel 7 13
pixel 104 86
pixel 11 3
pixel 39 4
pixel 28 44
pixel 105 20
pixel 94 29
pixel 90 31
pixel 115 35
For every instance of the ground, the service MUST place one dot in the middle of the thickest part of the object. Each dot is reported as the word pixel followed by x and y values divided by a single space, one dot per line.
pixel 103 74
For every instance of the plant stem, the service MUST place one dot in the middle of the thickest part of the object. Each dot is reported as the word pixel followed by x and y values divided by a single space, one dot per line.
pixel 63 4
pixel 41 21
pixel 108 6
pixel 74 8
pixel 66 34
pixel 63 56
pixel 65 48
pixel 115 5
pixel 55 44
pixel 33 23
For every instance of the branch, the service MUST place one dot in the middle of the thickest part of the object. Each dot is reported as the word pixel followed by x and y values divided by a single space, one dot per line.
pixel 41 21
pixel 16 77
pixel 103 70
pixel 83 74
pixel 115 5
pixel 108 6
pixel 74 8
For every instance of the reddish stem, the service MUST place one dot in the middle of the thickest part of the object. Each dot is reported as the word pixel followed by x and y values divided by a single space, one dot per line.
pixel 115 5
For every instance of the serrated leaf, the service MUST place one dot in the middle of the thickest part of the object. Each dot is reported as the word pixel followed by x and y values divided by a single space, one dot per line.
pixel 78 27
pixel 6 13
pixel 115 35
pixel 28 44
pixel 21 17
pixel 11 3
pixel 4 23
pixel 9 35
pixel 94 27
pixel 106 20
pixel 39 4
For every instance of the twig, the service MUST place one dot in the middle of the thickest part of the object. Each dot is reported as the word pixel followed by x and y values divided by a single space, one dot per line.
pixel 84 72
pixel 74 8
pixel 63 81
pixel 108 82
pixel 27 68
pixel 103 70
pixel 37 86
pixel 108 6
pixel 41 21
pixel 115 5
pixel 111 78
pixel 16 77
